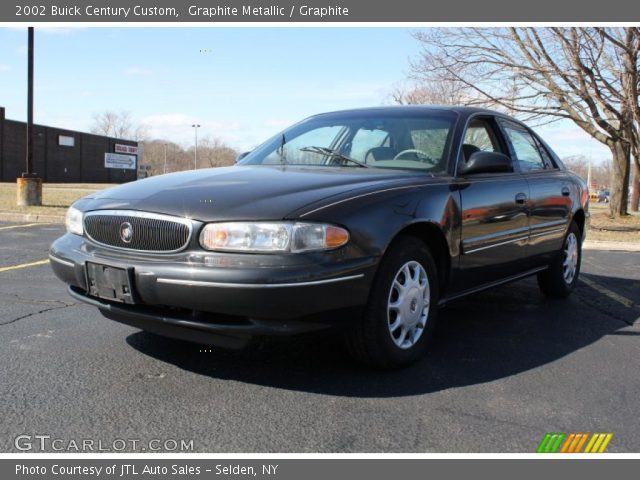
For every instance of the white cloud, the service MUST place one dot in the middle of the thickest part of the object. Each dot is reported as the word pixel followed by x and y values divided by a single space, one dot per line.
pixel 177 127
pixel 4 68
pixel 138 71
pixel 566 139
pixel 168 120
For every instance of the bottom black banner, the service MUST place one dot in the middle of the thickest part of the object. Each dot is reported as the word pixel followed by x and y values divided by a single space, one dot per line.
pixel 316 468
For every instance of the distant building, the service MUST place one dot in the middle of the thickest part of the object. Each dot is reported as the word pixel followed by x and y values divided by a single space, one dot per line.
pixel 66 156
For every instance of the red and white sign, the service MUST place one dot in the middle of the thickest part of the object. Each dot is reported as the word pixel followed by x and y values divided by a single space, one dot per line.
pixel 128 149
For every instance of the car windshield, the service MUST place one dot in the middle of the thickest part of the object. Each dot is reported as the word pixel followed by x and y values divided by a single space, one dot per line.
pixel 394 139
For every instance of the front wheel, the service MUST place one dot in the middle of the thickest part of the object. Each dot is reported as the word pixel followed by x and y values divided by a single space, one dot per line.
pixel 400 315
pixel 559 280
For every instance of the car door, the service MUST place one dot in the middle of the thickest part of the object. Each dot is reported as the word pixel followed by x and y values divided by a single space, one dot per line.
pixel 549 192
pixel 494 223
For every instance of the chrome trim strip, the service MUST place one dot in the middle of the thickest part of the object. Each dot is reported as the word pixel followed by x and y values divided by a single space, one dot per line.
pixel 62 262
pixel 139 214
pixel 548 232
pixel 496 245
pixel 549 224
pixel 198 283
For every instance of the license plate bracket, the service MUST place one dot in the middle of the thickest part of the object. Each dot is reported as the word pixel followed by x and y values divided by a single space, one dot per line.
pixel 109 283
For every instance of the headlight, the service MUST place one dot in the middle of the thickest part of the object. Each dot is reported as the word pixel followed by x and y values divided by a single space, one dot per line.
pixel 272 237
pixel 73 221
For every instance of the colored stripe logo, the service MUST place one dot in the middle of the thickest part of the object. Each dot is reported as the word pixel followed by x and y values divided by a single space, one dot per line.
pixel 574 442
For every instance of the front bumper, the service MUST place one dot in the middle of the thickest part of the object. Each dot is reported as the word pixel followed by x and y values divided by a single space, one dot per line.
pixel 221 294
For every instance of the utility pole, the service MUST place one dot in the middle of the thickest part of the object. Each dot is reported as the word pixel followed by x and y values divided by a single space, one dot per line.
pixel 29 185
pixel 30 106
pixel 195 151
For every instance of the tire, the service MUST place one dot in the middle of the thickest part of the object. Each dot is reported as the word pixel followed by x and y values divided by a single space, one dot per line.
pixel 559 280
pixel 394 332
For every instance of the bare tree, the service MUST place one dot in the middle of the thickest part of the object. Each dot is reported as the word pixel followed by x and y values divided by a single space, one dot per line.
pixel 585 75
pixel 628 42
pixel 600 171
pixel 164 156
pixel 118 125
pixel 443 92
pixel 215 153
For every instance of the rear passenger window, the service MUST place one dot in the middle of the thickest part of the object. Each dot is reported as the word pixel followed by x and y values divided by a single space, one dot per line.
pixel 549 163
pixel 525 147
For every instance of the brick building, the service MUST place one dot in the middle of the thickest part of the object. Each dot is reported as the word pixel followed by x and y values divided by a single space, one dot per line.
pixel 61 156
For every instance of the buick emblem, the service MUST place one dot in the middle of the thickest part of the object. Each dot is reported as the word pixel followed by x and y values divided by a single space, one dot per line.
pixel 126 232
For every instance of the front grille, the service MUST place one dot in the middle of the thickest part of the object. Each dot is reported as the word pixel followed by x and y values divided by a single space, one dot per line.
pixel 140 231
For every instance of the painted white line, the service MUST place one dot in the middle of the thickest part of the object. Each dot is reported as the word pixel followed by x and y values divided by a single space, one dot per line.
pixel 23 225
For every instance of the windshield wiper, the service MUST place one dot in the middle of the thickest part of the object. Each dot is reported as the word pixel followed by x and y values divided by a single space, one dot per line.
pixel 333 153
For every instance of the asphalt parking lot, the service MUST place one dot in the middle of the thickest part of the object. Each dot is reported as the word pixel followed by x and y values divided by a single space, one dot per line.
pixel 508 366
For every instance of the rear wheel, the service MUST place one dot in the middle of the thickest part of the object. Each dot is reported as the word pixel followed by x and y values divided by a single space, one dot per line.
pixel 559 280
pixel 400 315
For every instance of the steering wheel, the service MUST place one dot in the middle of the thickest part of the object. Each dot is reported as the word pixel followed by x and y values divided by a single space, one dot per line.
pixel 419 153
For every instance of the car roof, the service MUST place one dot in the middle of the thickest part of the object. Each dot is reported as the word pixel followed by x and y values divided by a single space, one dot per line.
pixel 412 109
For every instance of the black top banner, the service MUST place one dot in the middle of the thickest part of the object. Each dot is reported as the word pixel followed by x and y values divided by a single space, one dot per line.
pixel 287 11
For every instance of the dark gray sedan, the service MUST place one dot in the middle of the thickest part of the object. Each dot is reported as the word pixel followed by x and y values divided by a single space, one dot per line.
pixel 366 220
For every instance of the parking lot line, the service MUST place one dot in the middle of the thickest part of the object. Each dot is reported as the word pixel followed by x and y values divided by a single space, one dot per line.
pixel 24 265
pixel 609 293
pixel 23 225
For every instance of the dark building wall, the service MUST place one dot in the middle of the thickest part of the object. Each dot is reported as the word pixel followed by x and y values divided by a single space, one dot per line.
pixel 54 163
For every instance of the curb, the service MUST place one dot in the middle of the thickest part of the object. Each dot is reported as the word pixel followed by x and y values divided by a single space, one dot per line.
pixel 611 246
pixel 30 217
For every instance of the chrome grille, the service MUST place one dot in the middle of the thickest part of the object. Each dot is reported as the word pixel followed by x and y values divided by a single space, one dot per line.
pixel 150 232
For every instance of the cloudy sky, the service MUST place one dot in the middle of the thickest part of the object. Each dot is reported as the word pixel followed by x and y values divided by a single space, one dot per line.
pixel 241 85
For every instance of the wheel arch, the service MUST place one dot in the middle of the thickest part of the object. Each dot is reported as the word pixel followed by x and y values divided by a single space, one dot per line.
pixel 432 236
pixel 580 218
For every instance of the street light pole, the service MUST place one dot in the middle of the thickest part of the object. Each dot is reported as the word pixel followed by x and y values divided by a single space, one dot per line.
pixel 195 151
pixel 164 170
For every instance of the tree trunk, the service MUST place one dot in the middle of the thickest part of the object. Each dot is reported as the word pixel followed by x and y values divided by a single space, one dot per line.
pixel 635 185
pixel 620 151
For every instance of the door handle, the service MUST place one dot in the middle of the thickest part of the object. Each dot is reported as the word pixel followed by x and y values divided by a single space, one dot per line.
pixel 521 198
pixel 566 192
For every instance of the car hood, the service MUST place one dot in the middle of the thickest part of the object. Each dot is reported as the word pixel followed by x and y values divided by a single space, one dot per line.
pixel 243 192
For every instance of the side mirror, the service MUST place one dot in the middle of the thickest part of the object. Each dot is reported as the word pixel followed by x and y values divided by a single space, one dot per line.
pixel 241 156
pixel 486 162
